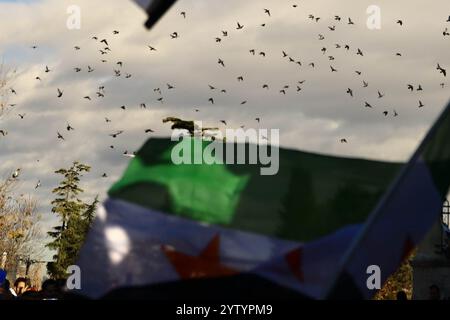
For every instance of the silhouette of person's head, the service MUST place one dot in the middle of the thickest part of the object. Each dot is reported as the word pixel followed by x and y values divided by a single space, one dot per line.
pixel 401 295
pixel 21 285
pixel 435 292
pixel 50 289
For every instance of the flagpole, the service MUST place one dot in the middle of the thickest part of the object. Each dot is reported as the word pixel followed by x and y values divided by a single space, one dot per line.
pixel 385 198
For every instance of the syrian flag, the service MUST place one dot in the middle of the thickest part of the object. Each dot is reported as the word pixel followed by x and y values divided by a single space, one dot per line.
pixel 155 9
pixel 184 231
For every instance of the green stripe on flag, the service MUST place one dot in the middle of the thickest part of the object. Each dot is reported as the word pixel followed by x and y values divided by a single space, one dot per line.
pixel 310 196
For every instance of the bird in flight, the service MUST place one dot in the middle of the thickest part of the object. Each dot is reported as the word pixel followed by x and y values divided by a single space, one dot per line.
pixel 16 173
pixel 350 21
pixel 60 136
pixel 60 93
pixel 77 69
pixel 380 95
pixel 22 115
pixel 4 133
pixel 115 32
pixel 267 11
pixel 107 120
pixel 239 26
pixel 149 131
pixel 69 127
pixel 344 141
pixel 442 70
pixel 350 92
pixel 183 14
pixel 367 105
pixel 151 48
pixel 174 35
pixel 410 87
pixel 115 135
pixel 105 42
pixel 333 69
pixel 38 184
pixel 221 62
pixel 421 104
pixel 47 70
pixel 400 22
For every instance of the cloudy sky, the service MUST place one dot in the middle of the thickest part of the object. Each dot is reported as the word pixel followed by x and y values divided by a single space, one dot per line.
pixel 314 119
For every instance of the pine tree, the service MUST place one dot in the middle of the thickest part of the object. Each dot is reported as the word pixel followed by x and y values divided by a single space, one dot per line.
pixel 69 236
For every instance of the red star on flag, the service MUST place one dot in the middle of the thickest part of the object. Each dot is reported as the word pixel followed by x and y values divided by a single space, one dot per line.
pixel 206 265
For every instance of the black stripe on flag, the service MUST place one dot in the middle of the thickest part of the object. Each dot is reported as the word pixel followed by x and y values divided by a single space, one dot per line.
pixel 156 10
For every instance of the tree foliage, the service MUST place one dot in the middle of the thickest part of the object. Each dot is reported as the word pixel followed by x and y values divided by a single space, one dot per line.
pixel 401 280
pixel 76 217
pixel 20 229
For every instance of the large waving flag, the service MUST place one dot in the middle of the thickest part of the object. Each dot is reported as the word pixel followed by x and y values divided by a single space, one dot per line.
pixel 170 230
pixel 402 217
pixel 155 9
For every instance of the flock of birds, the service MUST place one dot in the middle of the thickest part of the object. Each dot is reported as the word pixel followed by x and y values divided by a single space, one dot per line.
pixel 104 49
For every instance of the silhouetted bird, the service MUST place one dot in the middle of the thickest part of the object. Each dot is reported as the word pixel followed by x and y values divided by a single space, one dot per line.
pixel 442 70
pixel 350 92
pixel 115 135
